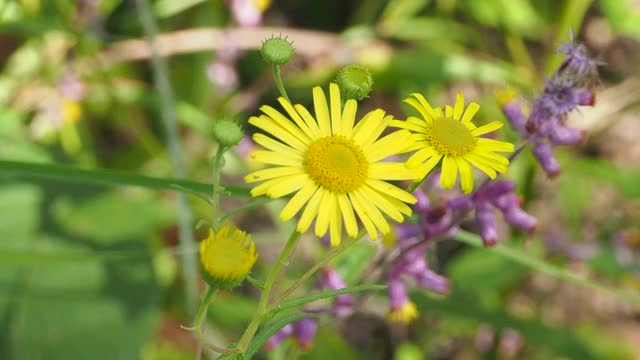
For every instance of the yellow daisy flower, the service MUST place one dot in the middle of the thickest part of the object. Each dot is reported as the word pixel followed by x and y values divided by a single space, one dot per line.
pixel 452 137
pixel 227 256
pixel 333 165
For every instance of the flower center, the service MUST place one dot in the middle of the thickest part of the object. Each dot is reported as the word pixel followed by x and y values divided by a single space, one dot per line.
pixel 450 137
pixel 336 163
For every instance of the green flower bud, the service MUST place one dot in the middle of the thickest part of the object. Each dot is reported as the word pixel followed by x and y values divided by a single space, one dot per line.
pixel 277 50
pixel 227 132
pixel 355 82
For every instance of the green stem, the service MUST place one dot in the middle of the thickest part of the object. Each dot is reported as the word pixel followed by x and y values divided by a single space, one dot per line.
pixel 168 114
pixel 279 83
pixel 246 338
pixel 415 185
pixel 198 321
pixel 571 18
pixel 216 189
pixel 328 257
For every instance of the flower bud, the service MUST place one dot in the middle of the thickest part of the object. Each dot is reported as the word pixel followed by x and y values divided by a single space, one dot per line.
pixel 277 50
pixel 355 82
pixel 226 257
pixel 227 132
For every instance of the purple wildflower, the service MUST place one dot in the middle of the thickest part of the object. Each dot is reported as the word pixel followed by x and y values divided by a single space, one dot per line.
pixel 279 337
pixel 484 339
pixel 499 195
pixel 304 331
pixel 342 304
pixel 563 93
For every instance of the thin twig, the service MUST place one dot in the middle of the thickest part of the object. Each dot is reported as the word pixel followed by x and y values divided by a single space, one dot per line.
pixel 168 115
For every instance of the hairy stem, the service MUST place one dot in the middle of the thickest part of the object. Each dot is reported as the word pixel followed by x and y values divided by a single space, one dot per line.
pixel 279 82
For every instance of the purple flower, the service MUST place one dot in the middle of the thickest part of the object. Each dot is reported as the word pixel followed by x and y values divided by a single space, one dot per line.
pixel 342 304
pixel 563 93
pixel 305 331
pixel 485 339
pixel 544 154
pixel 499 195
pixel 279 337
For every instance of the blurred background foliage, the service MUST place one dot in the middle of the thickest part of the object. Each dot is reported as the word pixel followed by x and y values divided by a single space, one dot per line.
pixel 88 271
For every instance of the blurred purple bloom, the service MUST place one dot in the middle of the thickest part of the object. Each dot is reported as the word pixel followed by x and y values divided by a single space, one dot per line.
pixel 484 339
pixel 342 304
pixel 544 154
pixel 304 331
pixel 223 74
pixel 246 12
pixel 499 195
pixel 556 243
pixel 511 343
pixel 279 337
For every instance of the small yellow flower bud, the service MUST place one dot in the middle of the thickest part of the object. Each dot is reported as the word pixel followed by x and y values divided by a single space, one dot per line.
pixel 226 257
pixel 405 314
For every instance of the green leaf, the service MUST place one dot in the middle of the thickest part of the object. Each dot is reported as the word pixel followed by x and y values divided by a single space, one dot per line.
pixel 532 262
pixel 270 328
pixel 323 295
pixel 623 16
pixel 23 170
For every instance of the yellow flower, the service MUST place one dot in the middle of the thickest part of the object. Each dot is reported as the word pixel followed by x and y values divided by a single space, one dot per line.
pixel 227 256
pixel 452 137
pixel 333 166
pixel 404 314
pixel 71 111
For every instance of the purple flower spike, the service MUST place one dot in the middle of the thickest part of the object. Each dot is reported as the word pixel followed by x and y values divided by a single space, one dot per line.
pixel 544 154
pixel 562 135
pixel 279 337
pixel 520 219
pixel 431 281
pixel 486 219
pixel 305 331
pixel 397 294
pixel 461 203
pixel 516 118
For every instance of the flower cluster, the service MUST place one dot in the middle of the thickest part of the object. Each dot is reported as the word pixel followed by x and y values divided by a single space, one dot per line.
pixel 495 195
pixel 410 265
pixel 563 92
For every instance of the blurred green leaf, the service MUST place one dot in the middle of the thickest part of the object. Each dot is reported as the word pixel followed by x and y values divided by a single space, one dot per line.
pixel 285 305
pixel 111 218
pixel 271 327
pixel 22 170
pixel 623 15
pixel 523 258
pixel 168 8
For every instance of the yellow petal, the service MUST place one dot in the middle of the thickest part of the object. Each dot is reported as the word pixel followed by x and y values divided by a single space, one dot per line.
pixel 273 145
pixel 495 145
pixel 393 171
pixel 466 175
pixel 287 185
pixel 479 163
pixel 285 123
pixel 335 225
pixel 324 214
pixel 297 119
pixel 274 172
pixel 309 120
pixel 275 158
pixel 347 213
pixel 310 211
pixel 392 190
pixel 459 107
pixel 430 111
pixel 336 105
pixel 472 109
pixel 367 126
pixel 348 117
pixel 388 145
pixel 372 212
pixel 298 200
pixel 269 125
pixel 322 111
pixel 484 129
pixel 364 218
pixel 449 172
pixel 382 203
pixel 420 156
